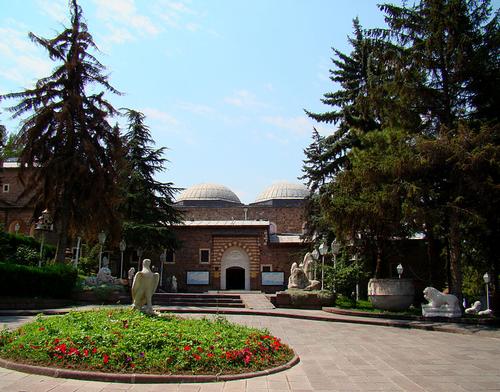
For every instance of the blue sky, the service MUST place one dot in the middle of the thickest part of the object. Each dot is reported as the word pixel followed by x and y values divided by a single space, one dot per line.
pixel 223 83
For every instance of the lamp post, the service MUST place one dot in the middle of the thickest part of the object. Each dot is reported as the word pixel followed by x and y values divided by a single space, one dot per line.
pixel 163 258
pixel 323 249
pixel 102 238
pixel 315 255
pixel 399 268
pixel 335 251
pixel 139 255
pixel 43 224
pixel 123 246
pixel 486 279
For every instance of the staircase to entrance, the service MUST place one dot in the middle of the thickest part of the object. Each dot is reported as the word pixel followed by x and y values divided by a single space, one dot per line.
pixel 213 300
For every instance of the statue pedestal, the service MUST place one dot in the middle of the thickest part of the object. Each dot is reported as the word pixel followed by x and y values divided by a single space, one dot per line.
pixel 443 311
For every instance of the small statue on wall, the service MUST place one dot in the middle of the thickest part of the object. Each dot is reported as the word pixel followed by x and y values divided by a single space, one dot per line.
pixel 143 288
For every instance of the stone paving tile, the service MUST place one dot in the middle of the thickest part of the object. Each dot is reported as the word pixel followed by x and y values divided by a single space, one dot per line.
pixel 334 357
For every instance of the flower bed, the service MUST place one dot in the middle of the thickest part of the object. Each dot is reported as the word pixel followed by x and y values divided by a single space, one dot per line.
pixel 126 341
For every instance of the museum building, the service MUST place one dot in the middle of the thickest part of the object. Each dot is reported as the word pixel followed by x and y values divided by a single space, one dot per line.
pixel 227 245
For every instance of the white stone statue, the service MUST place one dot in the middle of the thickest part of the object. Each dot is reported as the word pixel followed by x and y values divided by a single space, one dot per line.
pixel 308 265
pixel 474 309
pixel 130 275
pixel 486 312
pixel 174 284
pixel 104 274
pixel 144 286
pixel 299 279
pixel 440 304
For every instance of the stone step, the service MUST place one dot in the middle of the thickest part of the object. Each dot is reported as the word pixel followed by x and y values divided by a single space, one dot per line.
pixel 198 300
pixel 202 304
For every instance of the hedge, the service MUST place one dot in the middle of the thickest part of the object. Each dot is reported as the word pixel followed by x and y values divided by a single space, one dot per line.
pixel 10 243
pixel 52 281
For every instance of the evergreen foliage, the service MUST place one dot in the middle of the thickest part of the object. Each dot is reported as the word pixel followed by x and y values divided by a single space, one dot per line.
pixel 427 161
pixel 65 134
pixel 148 203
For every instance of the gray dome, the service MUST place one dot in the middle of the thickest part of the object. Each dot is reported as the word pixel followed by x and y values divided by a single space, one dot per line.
pixel 283 191
pixel 208 192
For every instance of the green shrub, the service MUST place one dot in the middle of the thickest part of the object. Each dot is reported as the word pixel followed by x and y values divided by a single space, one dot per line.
pixel 472 284
pixel 53 281
pixel 26 255
pixel 344 276
pixel 127 341
pixel 10 243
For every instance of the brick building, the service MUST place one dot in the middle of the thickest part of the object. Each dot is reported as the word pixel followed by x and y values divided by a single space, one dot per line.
pixel 15 212
pixel 227 245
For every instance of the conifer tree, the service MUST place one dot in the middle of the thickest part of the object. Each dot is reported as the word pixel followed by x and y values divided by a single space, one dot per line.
pixel 67 139
pixel 148 204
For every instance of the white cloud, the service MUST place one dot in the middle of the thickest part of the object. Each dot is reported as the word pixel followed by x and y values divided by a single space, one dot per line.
pixel 22 60
pixel 173 14
pixel 55 9
pixel 162 117
pixel 124 21
pixel 195 108
pixel 299 125
pixel 243 98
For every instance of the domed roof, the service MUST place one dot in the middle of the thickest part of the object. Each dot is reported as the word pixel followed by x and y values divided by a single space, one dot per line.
pixel 208 192
pixel 283 191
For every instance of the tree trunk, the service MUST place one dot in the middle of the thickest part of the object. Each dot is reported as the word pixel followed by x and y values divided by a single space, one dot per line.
pixel 455 255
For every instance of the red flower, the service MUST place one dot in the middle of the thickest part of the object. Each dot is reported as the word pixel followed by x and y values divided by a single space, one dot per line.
pixel 200 350
pixel 41 329
pixel 132 365
pixel 94 350
pixel 187 348
pixel 85 353
pixel 105 358
pixel 196 357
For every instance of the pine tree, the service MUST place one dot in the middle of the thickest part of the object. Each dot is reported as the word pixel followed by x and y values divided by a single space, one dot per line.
pixel 148 205
pixel 444 41
pixel 66 160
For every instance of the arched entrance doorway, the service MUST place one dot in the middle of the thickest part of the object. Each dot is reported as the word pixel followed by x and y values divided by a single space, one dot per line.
pixel 235 270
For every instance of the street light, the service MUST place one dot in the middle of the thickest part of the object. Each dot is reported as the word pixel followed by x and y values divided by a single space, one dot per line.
pixel 43 224
pixel 323 249
pixel 399 268
pixel 102 238
pixel 315 255
pixel 139 254
pixel 123 246
pixel 163 258
pixel 486 279
pixel 335 251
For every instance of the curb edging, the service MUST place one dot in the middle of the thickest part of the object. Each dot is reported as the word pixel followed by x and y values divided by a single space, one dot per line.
pixel 140 378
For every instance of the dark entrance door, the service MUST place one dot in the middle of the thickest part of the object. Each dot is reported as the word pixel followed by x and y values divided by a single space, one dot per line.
pixel 235 278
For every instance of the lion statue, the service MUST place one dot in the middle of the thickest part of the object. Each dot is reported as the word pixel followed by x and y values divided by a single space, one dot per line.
pixel 437 299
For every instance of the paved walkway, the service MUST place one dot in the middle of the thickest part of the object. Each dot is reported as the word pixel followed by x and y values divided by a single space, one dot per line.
pixel 335 356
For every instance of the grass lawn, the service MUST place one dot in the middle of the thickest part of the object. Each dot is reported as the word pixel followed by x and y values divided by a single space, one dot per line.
pixel 366 306
pixel 124 340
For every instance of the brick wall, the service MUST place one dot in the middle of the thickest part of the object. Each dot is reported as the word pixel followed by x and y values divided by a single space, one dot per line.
pixel 287 219
pixel 253 241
